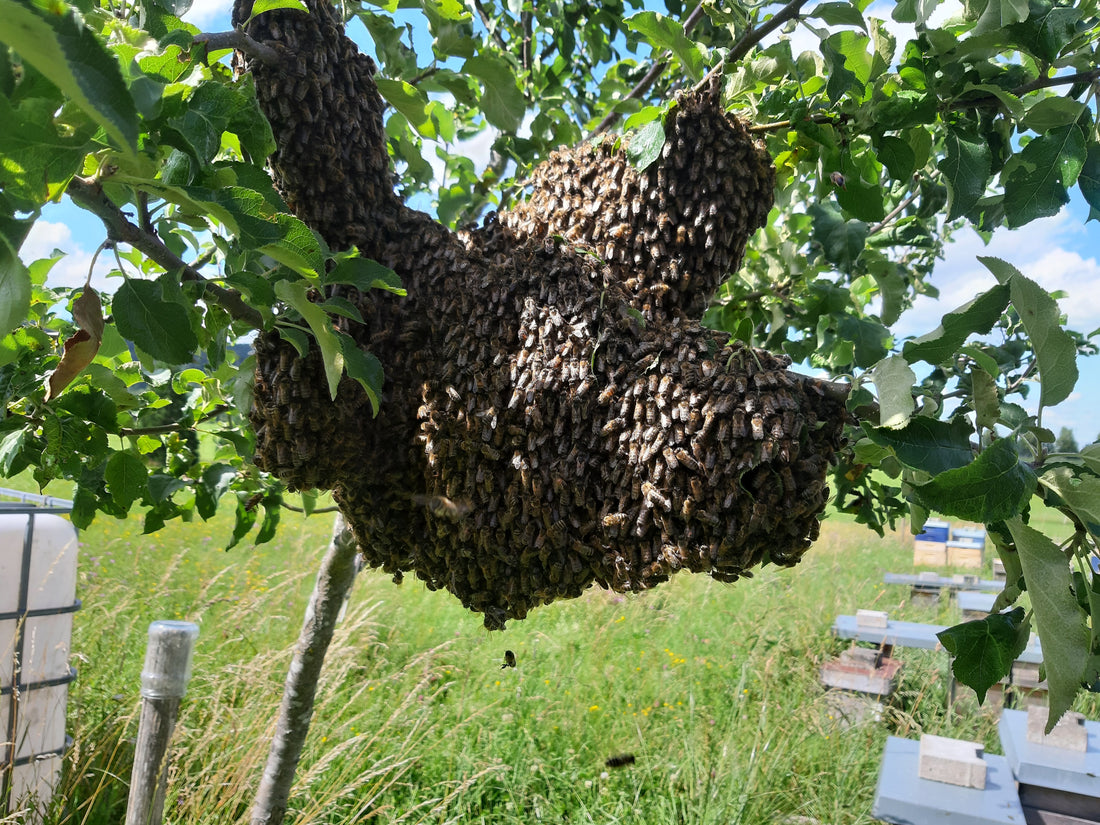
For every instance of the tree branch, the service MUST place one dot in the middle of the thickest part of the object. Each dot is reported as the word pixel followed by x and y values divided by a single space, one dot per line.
pixel 642 86
pixel 164 429
pixel 237 39
pixel 1090 76
pixel 489 27
pixel 820 117
pixel 1058 80
pixel 754 36
pixel 90 195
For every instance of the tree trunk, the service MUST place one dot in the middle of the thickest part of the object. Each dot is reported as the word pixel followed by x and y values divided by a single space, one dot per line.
pixel 334 582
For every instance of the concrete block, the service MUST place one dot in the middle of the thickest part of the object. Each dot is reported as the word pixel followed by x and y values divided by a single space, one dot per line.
pixel 954 761
pixel 929 576
pixel 872 618
pixel 903 797
pixel 1059 769
pixel 964 578
pixel 1069 734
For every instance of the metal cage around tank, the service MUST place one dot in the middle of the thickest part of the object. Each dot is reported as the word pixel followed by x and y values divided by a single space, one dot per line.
pixel 34 646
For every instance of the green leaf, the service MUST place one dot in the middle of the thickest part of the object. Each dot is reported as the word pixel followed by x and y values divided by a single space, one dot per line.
pixel 15 289
pixel 125 475
pixel 664 33
pixel 894 380
pixel 161 486
pixel 994 487
pixel 966 169
pixel 862 200
pixel 91 404
pixel 245 518
pixel 261 6
pixel 273 510
pixel 85 506
pixel 841 241
pixel 868 338
pixel 983 651
pixel 928 444
pixel 1052 112
pixel 160 328
pixel 74 60
pixel 364 368
pixel 297 295
pixel 409 101
pixel 976 316
pixel 645 146
pixel 1089 178
pixel 1034 189
pixel 898 157
pixel 11 448
pixel 365 275
pixel 40 155
pixel 258 224
pixel 1080 493
pixel 502 103
pixel 1059 620
pixel 212 486
pixel 1055 350
pixel 839 14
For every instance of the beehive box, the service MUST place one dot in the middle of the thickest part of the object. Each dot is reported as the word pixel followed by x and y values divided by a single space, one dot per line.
pixel 964 554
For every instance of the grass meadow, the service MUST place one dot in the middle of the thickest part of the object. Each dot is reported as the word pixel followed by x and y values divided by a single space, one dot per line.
pixel 713 688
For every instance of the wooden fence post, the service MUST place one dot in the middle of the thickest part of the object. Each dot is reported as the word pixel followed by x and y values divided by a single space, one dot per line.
pixel 163 685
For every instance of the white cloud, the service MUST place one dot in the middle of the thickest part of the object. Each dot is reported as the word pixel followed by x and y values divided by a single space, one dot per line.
pixel 1042 251
pixel 43 239
pixel 205 12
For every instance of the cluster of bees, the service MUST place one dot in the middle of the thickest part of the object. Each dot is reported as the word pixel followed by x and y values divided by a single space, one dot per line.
pixel 552 415
pixel 670 233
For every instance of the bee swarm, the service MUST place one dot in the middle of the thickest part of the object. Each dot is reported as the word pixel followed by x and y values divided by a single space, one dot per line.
pixel 552 417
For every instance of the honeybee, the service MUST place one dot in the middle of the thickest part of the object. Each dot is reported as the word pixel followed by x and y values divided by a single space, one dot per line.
pixel 620 760
pixel 509 659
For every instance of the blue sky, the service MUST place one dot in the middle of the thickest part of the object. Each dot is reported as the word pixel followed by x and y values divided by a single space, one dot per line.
pixel 1060 253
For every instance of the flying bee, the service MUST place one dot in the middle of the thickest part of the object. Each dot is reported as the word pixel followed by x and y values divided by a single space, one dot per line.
pixel 509 659
pixel 620 760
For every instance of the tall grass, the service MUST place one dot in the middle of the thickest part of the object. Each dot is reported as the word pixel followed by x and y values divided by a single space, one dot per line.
pixel 713 688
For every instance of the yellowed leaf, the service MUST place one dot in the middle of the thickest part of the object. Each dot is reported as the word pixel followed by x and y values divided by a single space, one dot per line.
pixel 82 347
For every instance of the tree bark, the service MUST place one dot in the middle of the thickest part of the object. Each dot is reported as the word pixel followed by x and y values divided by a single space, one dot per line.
pixel 334 581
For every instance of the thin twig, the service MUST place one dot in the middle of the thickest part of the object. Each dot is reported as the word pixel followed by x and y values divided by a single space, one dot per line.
pixel 820 117
pixel 242 42
pixel 897 210
pixel 90 195
pixel 489 27
pixel 311 512
pixel 165 429
pixel 424 75
pixel 642 86
pixel 753 36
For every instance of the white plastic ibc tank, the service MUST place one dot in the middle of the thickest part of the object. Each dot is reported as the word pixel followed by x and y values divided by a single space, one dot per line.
pixel 38 555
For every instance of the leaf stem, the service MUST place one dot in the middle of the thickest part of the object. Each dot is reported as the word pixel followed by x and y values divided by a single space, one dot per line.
pixel 89 194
